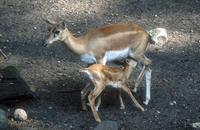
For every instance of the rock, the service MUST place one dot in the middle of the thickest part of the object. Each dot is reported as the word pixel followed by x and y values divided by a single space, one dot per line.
pixel 107 125
pixel 20 114
pixel 3 120
pixel 172 103
pixel 196 125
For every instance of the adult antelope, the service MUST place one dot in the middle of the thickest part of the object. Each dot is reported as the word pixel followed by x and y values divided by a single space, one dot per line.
pixel 103 76
pixel 108 43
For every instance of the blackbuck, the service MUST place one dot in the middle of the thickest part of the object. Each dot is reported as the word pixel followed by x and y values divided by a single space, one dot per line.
pixel 103 76
pixel 108 43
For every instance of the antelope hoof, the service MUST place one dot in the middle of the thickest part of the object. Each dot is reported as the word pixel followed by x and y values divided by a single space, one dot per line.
pixel 122 107
pixel 146 102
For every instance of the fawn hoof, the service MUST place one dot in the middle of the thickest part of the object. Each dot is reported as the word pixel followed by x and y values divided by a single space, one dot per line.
pixel 135 90
pixel 98 120
pixel 84 108
pixel 142 109
pixel 88 104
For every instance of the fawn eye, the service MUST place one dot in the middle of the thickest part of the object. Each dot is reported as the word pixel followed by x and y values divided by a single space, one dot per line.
pixel 57 32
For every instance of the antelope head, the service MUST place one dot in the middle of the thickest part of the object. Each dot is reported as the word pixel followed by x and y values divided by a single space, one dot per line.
pixel 57 32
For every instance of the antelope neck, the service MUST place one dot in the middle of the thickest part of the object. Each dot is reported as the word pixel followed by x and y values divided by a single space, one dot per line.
pixel 76 44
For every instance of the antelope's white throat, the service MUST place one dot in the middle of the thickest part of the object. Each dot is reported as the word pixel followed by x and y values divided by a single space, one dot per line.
pixel 109 56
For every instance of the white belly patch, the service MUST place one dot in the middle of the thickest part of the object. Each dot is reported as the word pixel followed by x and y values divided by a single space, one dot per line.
pixel 114 55
pixel 109 56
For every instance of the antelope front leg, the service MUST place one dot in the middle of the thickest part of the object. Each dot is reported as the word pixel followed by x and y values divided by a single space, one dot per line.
pixel 146 62
pixel 92 97
pixel 148 86
pixel 147 74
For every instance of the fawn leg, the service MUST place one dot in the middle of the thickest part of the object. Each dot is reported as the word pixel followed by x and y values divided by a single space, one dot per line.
pixel 84 93
pixel 128 91
pixel 92 97
pixel 122 106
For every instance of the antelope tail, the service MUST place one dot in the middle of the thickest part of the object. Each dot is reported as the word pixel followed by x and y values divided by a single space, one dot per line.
pixel 157 33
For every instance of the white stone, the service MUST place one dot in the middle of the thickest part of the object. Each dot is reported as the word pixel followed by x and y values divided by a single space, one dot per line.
pixel 196 125
pixel 20 114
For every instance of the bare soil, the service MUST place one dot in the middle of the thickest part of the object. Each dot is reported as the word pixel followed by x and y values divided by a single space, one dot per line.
pixel 52 73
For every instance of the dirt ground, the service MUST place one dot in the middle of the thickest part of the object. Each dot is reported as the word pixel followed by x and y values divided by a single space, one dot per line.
pixel 52 73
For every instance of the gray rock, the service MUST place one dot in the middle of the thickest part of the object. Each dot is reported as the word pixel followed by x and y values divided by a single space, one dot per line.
pixel 196 125
pixel 20 114
pixel 107 125
pixel 3 120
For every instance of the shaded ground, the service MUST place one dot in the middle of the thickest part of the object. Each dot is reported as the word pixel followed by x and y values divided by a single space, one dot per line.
pixel 49 71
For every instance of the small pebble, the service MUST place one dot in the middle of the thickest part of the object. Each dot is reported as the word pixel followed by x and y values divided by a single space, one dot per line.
pixel 20 114
pixel 158 112
pixel 50 108
pixel 172 103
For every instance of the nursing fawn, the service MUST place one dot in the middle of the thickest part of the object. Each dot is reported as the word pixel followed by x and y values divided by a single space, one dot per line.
pixel 103 76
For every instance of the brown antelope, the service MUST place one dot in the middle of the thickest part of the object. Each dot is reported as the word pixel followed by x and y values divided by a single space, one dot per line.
pixel 108 43
pixel 103 76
